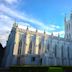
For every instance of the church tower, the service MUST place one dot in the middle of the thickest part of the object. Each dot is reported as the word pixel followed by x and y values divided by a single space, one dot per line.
pixel 68 27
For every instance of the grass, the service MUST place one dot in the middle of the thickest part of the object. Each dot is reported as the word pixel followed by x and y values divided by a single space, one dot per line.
pixel 38 68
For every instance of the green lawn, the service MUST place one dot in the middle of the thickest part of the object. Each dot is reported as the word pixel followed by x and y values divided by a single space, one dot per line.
pixel 35 68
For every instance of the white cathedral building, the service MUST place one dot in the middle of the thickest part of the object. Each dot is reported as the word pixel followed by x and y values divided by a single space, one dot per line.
pixel 26 47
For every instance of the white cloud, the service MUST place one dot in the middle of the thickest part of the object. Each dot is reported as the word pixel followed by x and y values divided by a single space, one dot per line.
pixel 25 17
pixel 61 33
pixel 54 26
pixel 3 38
pixel 5 27
pixel 24 24
pixel 21 16
pixel 22 27
pixel 11 1
pixel 6 21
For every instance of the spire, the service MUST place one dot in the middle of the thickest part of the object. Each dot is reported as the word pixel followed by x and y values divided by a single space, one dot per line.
pixel 27 28
pixel 58 35
pixel 15 25
pixel 44 32
pixel 52 34
pixel 36 30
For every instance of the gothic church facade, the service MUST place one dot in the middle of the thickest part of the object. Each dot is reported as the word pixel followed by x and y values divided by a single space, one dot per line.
pixel 34 48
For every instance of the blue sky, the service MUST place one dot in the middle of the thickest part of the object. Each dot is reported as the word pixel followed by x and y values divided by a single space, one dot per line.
pixel 43 15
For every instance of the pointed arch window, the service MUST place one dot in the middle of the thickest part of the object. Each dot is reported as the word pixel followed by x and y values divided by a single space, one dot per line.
pixel 30 47
pixel 39 47
pixel 62 51
pixel 68 51
pixel 69 26
pixel 68 54
pixel 55 50
pixel 48 46
pixel 20 46
pixel 62 54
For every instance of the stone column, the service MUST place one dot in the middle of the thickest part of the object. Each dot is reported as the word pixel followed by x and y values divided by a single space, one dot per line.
pixel 27 42
pixel 44 45
pixel 16 46
pixel 37 45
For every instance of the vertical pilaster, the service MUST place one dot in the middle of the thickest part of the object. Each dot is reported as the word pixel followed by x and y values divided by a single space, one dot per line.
pixel 27 42
pixel 36 43
pixel 16 45
pixel 44 47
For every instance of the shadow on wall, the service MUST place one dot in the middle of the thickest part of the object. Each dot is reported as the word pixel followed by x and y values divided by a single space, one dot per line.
pixel 2 51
